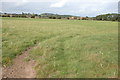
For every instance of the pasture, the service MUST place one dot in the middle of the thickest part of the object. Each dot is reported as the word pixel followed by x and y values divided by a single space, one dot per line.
pixel 63 48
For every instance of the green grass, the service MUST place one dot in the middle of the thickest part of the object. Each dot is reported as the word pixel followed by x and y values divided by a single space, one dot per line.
pixel 64 48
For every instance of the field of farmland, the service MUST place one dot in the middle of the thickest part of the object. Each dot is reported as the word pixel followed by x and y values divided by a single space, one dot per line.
pixel 63 48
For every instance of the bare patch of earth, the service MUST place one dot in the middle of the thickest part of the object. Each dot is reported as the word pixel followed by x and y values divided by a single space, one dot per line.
pixel 20 68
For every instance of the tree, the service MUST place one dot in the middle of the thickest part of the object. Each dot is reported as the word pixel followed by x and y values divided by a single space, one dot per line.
pixel 108 17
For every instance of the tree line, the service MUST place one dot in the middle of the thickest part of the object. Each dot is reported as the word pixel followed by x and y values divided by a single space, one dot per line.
pixel 108 17
pixel 29 15
pixel 104 17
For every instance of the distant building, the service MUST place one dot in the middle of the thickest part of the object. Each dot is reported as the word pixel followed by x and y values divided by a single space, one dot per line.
pixel 28 16
pixel 78 18
pixel 72 18
pixel 11 15
pixel 37 17
pixel 90 18
pixel 83 18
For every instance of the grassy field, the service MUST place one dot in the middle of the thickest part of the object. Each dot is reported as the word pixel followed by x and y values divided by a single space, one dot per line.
pixel 64 48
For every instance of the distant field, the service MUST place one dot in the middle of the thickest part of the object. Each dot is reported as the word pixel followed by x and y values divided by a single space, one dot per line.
pixel 64 48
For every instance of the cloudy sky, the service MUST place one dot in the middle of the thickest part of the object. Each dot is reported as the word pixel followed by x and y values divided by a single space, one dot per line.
pixel 70 7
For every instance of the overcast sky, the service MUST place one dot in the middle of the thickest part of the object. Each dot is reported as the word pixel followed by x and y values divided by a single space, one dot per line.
pixel 70 7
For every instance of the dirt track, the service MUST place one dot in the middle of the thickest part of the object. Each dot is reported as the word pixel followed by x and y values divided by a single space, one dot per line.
pixel 20 67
